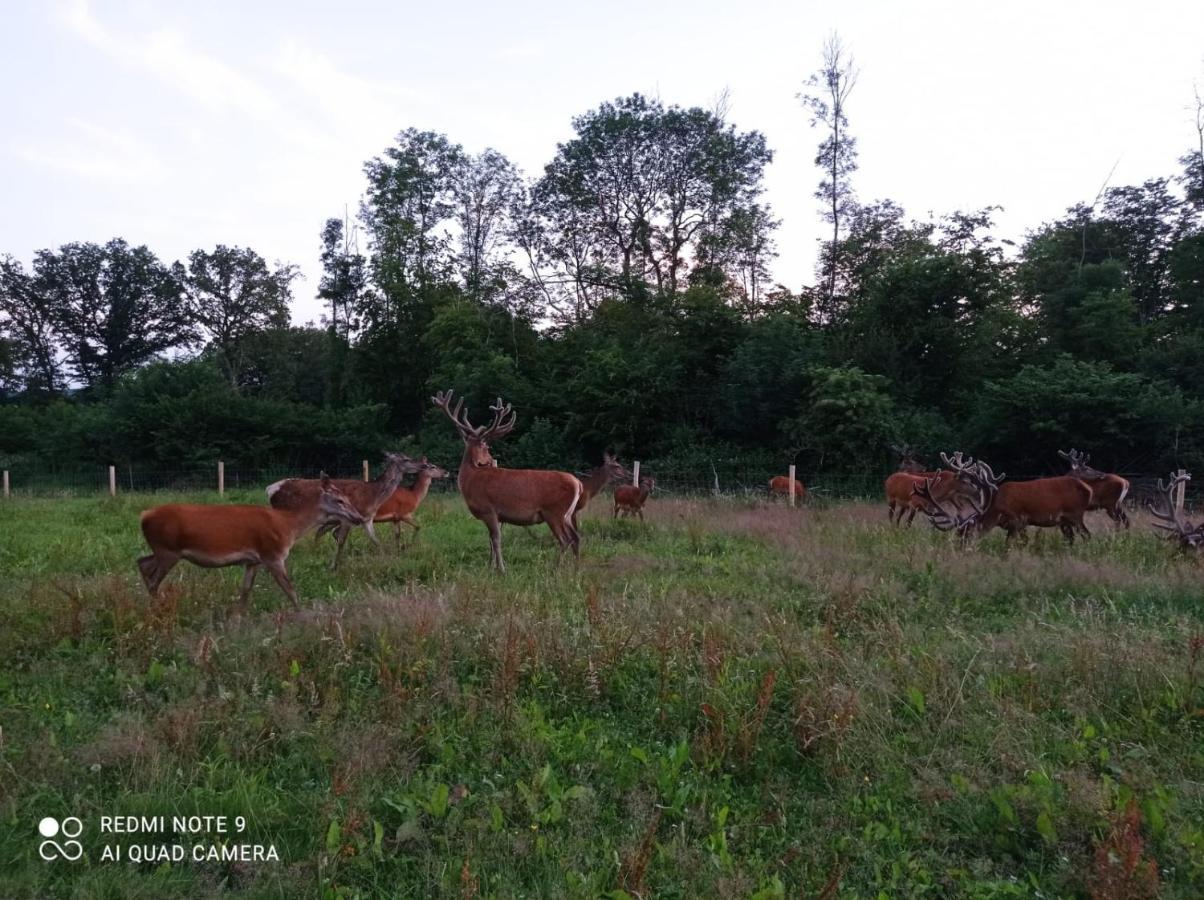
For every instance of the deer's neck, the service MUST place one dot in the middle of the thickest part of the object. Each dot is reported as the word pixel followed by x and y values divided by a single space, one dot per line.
pixel 421 486
pixel 386 484
pixel 298 521
pixel 595 481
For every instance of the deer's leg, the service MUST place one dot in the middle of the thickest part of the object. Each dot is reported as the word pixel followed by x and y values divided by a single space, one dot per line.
pixel 248 581
pixel 340 538
pixel 911 515
pixel 890 511
pixel 409 520
pixel 495 543
pixel 1081 527
pixel 154 569
pixel 397 533
pixel 640 512
pixel 276 567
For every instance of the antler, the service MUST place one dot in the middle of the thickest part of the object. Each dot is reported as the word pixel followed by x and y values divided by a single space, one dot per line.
pixel 443 399
pixel 1190 536
pixel 937 514
pixel 504 419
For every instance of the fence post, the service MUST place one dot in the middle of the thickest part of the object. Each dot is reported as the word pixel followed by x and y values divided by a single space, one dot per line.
pixel 635 473
pixel 791 494
pixel 6 484
pixel 221 478
pixel 112 481
pixel 365 470
pixel 1180 492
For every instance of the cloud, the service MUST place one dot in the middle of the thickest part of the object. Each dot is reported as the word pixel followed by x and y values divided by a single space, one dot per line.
pixel 97 152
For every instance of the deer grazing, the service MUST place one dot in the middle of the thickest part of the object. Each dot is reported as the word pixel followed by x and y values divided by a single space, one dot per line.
pixel 1108 491
pixel 1059 502
pixel 514 496
pixel 780 484
pixel 610 472
pixel 1189 536
pixel 630 499
pixel 366 496
pixel 219 535
pixel 946 485
pixel 401 506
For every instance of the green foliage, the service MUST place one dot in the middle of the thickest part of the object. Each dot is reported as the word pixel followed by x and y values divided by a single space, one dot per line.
pixel 846 414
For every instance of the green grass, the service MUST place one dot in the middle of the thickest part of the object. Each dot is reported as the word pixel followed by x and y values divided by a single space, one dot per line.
pixel 731 701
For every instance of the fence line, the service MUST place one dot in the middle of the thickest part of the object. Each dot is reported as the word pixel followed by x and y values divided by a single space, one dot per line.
pixel 728 481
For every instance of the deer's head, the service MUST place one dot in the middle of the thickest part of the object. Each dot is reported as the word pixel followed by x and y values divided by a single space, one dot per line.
pixel 334 505
pixel 476 439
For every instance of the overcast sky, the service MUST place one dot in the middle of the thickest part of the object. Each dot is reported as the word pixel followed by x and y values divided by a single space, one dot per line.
pixel 184 125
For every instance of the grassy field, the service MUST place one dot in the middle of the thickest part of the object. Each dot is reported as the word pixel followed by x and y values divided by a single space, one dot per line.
pixel 729 701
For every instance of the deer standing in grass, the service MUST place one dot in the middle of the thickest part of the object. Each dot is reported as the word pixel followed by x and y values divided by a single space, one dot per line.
pixel 1059 502
pixel 1189 536
pixel 946 485
pixel 1108 491
pixel 514 496
pixel 366 496
pixel 218 535
pixel 401 506
pixel 595 482
pixel 630 499
pixel 780 484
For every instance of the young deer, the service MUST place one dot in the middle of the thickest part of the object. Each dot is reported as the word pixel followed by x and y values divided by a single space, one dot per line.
pixel 366 496
pixel 611 471
pixel 401 506
pixel 218 535
pixel 1108 491
pixel 631 499
pixel 514 496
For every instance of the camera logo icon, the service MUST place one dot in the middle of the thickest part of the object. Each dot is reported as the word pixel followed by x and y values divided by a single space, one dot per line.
pixel 70 828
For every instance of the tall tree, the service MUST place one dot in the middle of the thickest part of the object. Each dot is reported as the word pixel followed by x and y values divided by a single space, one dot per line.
pixel 344 276
pixel 25 315
pixel 486 190
pixel 113 306
pixel 231 293
pixel 826 95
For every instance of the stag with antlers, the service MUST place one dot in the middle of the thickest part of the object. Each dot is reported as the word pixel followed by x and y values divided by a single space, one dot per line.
pixel 946 485
pixel 1189 536
pixel 1108 491
pixel 514 496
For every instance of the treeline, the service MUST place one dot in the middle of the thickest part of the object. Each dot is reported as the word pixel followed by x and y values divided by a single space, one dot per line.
pixel 623 299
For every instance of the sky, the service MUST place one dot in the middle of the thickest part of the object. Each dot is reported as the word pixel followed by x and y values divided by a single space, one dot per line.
pixel 182 125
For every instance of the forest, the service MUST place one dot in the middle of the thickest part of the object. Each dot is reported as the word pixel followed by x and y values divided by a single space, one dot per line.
pixel 622 299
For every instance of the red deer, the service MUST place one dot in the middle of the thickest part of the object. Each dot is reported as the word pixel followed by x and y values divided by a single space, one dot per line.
pixel 947 485
pixel 1108 491
pixel 1013 505
pixel 401 506
pixel 514 496
pixel 366 496
pixel 1189 536
pixel 780 484
pixel 630 499
pixel 596 481
pixel 217 535
pixel 907 460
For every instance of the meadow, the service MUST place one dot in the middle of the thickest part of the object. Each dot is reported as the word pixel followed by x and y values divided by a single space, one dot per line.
pixel 730 700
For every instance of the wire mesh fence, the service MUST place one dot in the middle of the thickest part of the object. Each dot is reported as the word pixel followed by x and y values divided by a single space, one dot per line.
pixel 730 481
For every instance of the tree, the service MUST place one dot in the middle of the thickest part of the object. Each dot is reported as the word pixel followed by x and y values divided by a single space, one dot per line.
pixel 231 294
pixel 826 96
pixel 639 196
pixel 486 189
pixel 846 415
pixel 30 344
pixel 344 276
pixel 114 307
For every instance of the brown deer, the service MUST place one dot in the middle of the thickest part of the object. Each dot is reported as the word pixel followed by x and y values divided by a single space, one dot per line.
pixel 366 496
pixel 947 485
pixel 780 484
pixel 1108 491
pixel 595 482
pixel 1189 536
pixel 514 496
pixel 1059 502
pixel 630 499
pixel 219 535
pixel 907 460
pixel 401 506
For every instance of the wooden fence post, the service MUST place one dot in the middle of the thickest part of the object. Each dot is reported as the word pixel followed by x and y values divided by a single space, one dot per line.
pixel 365 470
pixel 6 484
pixel 221 478
pixel 791 494
pixel 112 481
pixel 635 473
pixel 1180 492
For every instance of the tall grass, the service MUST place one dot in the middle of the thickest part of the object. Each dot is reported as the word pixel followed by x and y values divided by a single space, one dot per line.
pixel 731 700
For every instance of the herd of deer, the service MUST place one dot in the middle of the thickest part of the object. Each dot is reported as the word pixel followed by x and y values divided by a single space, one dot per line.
pixel 215 536
pixel 1058 502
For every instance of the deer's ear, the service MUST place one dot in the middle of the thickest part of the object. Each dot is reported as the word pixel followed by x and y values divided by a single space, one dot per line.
pixel 325 481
